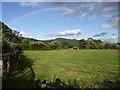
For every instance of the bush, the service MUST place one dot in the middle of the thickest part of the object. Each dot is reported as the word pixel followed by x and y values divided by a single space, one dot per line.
pixel 5 45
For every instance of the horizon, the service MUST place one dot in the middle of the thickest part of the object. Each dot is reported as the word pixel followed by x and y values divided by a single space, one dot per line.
pixel 78 20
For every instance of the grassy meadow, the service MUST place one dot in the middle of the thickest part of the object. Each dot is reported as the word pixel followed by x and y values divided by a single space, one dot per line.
pixel 90 68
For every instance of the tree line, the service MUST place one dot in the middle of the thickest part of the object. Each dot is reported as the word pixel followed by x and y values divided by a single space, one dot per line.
pixel 12 39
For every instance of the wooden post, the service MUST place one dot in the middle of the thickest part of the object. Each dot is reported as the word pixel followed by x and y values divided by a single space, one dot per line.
pixel 1 64
pixel 4 66
pixel 6 63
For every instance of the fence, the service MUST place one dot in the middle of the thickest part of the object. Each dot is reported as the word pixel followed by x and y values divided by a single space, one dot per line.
pixel 5 63
pixel 9 61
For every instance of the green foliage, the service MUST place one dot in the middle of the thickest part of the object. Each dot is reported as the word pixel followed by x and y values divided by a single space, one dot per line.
pixel 114 46
pixel 10 44
pixel 55 44
pixel 83 44
pixel 38 46
pixel 5 45
pixel 96 44
pixel 9 39
pixel 107 46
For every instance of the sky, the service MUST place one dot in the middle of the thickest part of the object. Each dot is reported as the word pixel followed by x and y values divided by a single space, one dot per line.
pixel 72 20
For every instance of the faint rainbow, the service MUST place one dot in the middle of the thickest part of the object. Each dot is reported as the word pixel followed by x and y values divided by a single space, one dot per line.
pixel 25 15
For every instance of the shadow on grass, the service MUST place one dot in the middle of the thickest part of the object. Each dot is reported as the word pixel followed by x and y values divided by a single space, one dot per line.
pixel 57 84
pixel 22 77
pixel 111 83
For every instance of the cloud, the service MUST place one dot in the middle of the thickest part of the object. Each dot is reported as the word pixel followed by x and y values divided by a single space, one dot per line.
pixel 111 24
pixel 96 35
pixel 112 39
pixel 103 33
pixel 16 29
pixel 22 33
pixel 76 8
pixel 67 33
pixel 100 11
pixel 92 11
pixel 113 34
pixel 29 3
pixel 107 26
pixel 100 34
pixel 31 37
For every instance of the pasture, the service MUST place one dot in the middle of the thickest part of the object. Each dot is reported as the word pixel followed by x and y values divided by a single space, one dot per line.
pixel 90 68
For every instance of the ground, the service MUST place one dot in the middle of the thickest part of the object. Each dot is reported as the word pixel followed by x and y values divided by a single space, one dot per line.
pixel 90 68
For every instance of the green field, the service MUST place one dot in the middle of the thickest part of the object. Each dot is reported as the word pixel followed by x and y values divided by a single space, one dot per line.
pixel 90 68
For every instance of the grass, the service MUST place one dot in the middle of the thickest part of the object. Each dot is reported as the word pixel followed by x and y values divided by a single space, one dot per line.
pixel 91 68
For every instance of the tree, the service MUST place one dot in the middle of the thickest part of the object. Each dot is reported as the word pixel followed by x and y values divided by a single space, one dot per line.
pixel 5 45
pixel 114 46
pixel 107 46
pixel 37 45
pixel 99 43
pixel 90 39
pixel 83 44
pixel 55 44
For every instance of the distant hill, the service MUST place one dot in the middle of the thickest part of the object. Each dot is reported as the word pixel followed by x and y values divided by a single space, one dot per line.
pixel 69 42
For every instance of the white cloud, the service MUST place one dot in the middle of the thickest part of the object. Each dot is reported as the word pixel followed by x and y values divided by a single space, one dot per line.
pixel 31 37
pixel 68 11
pixel 107 26
pixel 23 33
pixel 77 8
pixel 68 33
pixel 106 12
pixel 27 3
pixel 111 24
pixel 107 9
pixel 113 39
pixel 16 29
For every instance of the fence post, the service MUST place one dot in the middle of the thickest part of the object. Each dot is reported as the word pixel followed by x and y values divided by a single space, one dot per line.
pixel 6 63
